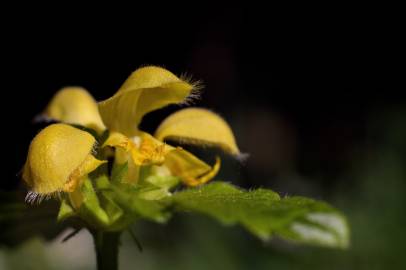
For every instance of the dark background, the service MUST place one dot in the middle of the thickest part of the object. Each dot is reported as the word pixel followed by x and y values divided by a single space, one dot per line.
pixel 320 73
pixel 311 97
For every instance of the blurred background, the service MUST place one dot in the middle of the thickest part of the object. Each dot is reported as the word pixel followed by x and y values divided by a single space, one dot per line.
pixel 313 98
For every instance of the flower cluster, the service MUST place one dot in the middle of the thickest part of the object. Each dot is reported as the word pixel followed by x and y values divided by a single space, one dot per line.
pixel 98 147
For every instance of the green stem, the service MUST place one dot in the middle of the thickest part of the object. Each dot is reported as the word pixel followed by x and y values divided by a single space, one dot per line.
pixel 106 246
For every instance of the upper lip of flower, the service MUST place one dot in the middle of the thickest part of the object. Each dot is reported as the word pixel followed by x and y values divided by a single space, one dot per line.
pixel 52 166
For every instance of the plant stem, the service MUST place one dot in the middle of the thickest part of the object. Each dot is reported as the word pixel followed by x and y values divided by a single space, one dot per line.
pixel 106 246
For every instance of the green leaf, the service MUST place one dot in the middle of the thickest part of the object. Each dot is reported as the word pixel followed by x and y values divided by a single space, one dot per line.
pixel 119 172
pixel 153 193
pixel 156 187
pixel 114 212
pixel 112 206
pixel 127 197
pixel 65 211
pixel 264 213
pixel 165 182
pixel 91 209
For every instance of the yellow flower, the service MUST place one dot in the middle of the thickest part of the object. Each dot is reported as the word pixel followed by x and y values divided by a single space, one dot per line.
pixel 74 105
pixel 58 159
pixel 61 155
pixel 147 89
pixel 198 126
pixel 151 88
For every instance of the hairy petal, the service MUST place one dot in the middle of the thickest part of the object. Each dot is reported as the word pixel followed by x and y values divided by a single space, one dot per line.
pixel 147 89
pixel 198 126
pixel 58 157
pixel 74 105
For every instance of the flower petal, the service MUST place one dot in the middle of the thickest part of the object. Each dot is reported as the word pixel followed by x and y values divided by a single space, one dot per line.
pixel 147 89
pixel 150 151
pixel 138 151
pixel 147 150
pixel 198 126
pixel 144 149
pixel 58 157
pixel 116 139
pixel 191 170
pixel 74 105
pixel 123 148
pixel 88 165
